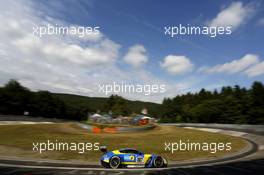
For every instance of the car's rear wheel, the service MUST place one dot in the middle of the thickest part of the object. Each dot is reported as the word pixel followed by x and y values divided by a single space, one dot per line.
pixel 158 162
pixel 114 162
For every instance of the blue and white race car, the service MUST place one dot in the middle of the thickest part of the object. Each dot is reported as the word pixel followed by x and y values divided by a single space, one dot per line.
pixel 131 158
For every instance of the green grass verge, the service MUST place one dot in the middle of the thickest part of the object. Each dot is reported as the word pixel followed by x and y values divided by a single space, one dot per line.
pixel 16 140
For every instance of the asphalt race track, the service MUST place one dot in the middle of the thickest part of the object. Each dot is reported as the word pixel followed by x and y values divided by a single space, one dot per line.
pixel 253 167
pixel 250 163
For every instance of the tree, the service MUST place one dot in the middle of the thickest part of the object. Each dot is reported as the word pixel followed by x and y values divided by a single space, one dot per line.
pixel 207 112
pixel 14 98
pixel 256 111
pixel 230 105
pixel 117 105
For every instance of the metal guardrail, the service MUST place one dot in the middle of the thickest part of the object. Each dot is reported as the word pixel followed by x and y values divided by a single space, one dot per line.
pixel 29 118
pixel 255 129
pixel 89 127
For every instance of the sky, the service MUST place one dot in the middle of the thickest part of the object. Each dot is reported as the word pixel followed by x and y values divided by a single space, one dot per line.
pixel 132 47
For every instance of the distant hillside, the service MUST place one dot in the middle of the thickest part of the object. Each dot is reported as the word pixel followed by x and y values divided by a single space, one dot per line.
pixel 99 103
pixel 18 100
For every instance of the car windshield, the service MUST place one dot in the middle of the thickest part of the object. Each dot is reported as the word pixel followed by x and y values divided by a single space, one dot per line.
pixel 130 151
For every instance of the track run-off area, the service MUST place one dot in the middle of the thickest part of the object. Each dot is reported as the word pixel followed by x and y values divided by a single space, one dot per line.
pixel 249 161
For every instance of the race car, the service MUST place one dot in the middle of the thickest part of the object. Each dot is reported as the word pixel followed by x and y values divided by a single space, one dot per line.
pixel 131 158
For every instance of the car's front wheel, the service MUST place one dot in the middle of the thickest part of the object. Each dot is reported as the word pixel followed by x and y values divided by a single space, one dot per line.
pixel 158 162
pixel 114 162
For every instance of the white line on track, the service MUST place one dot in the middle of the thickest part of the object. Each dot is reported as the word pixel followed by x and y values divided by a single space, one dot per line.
pixel 77 168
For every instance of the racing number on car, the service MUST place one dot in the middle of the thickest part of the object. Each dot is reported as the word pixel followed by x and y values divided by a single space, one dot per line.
pixel 132 158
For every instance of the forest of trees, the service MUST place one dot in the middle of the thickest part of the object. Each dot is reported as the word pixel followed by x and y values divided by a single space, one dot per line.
pixel 230 105
pixel 16 99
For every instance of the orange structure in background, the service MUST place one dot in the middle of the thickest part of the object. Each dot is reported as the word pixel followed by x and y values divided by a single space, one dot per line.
pixel 106 130
pixel 96 130
pixel 110 130
pixel 143 121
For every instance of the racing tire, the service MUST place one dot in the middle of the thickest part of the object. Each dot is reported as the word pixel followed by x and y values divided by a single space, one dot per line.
pixel 158 162
pixel 114 162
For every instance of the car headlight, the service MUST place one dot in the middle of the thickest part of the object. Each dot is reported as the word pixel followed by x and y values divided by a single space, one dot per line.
pixel 105 158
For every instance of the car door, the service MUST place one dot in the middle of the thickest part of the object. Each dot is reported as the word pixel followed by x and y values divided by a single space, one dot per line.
pixel 131 158
pixel 140 158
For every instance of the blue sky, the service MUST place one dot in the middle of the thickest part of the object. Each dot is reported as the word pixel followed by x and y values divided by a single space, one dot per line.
pixel 136 29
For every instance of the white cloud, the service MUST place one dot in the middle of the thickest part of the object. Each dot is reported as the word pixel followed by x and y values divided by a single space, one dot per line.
pixel 234 15
pixel 103 52
pixel 17 34
pixel 65 64
pixel 136 56
pixel 177 65
pixel 234 66
pixel 255 70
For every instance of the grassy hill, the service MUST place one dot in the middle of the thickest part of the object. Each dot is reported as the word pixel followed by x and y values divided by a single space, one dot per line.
pixel 99 103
